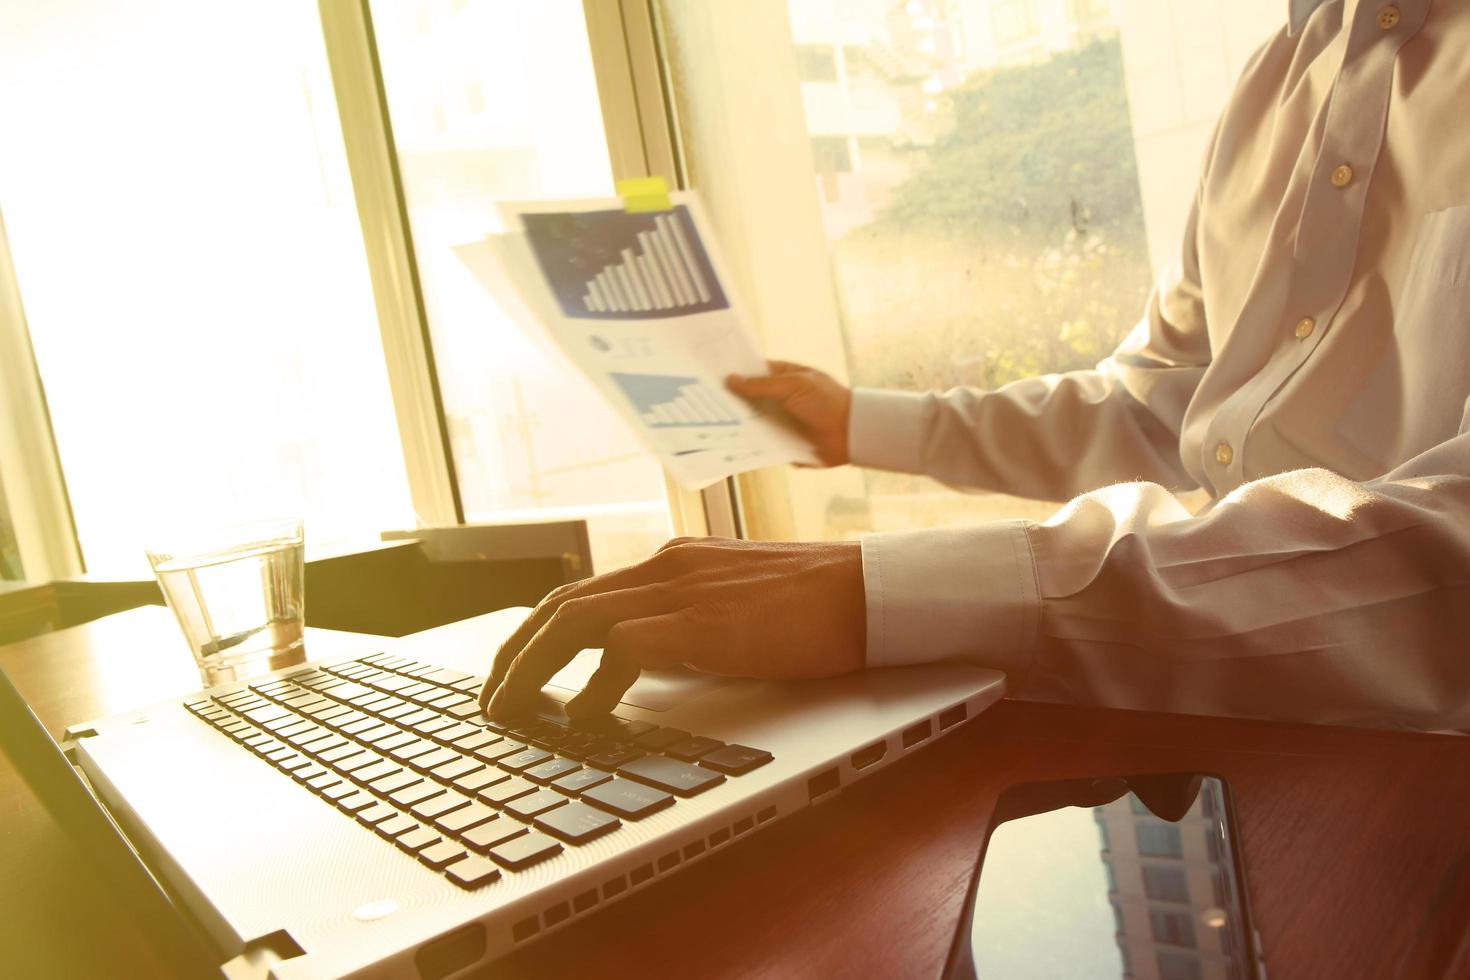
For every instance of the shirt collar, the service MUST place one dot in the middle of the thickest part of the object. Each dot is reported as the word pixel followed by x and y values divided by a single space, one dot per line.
pixel 1298 12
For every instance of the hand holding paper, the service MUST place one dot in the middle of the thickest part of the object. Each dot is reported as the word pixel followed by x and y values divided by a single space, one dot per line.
pixel 635 297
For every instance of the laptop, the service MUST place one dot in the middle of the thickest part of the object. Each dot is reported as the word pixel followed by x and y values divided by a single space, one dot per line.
pixel 362 818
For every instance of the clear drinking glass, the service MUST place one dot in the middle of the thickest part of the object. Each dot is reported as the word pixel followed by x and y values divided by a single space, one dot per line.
pixel 239 597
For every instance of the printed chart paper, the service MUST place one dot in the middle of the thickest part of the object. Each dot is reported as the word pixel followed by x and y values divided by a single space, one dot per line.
pixel 639 305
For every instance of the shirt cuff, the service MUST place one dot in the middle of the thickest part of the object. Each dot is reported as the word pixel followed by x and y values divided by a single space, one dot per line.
pixel 953 593
pixel 885 429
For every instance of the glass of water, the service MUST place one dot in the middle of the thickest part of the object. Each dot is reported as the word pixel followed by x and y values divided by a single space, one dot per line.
pixel 239 597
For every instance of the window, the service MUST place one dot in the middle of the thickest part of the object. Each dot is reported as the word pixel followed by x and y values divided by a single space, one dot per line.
pixel 1165 882
pixel 1015 20
pixel 1171 927
pixel 187 244
pixel 831 154
pixel 1157 839
pixel 1179 966
pixel 816 63
pixel 530 437
pixel 10 570
pixel 944 260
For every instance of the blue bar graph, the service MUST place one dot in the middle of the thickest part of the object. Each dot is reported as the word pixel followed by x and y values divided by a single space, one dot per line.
pixel 669 401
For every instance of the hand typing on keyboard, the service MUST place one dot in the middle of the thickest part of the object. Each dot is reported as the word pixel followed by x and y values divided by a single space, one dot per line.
pixel 777 610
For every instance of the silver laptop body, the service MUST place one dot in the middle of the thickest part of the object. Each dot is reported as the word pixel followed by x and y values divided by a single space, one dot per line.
pixel 286 884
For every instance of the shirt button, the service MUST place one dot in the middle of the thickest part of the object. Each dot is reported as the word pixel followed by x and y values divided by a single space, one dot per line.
pixel 1342 175
pixel 1388 18
pixel 1224 454
pixel 1304 327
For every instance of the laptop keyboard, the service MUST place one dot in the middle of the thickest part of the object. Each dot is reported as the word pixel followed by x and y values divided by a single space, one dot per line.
pixel 403 748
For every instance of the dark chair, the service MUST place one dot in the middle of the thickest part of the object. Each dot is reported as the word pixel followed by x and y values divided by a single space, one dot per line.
pixel 412 581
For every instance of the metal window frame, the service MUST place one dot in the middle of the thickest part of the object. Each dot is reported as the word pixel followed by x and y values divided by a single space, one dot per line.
pixel 642 141
pixel 377 186
pixel 40 510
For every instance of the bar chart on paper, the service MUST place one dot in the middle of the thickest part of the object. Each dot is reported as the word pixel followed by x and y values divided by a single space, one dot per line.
pixel 612 265
pixel 668 401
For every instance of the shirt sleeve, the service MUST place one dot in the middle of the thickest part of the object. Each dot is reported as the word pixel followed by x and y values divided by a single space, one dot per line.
pixel 1304 596
pixel 1053 437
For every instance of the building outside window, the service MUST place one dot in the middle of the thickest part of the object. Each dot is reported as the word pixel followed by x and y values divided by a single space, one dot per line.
pixel 1158 839
pixel 10 569
pixel 1165 883
pixel 1172 927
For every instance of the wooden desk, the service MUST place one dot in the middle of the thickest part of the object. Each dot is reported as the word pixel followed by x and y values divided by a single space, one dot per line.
pixel 1355 842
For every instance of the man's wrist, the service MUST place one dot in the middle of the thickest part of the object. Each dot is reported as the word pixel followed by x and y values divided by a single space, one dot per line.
pixel 952 593
pixel 885 429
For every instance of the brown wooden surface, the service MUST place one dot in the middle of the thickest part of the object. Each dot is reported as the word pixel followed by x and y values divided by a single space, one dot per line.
pixel 1356 843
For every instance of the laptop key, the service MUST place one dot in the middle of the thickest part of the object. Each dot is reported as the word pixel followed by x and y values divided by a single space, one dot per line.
pixel 735 760
pixel 472 872
pixel 491 833
pixel 427 728
pixel 414 749
pixel 433 760
pixel 308 773
pixel 480 739
pixel 476 781
pixel 388 785
pixel 692 748
pixel 376 814
pixel 434 806
pixel 577 823
pixel 464 818
pixel 356 802
pixel 506 790
pixel 525 850
pixel 524 760
pixel 615 758
pixel 451 771
pixel 319 784
pixel 338 791
pixel 575 782
pixel 413 794
pixel 448 736
pixel 396 826
pixel 418 839
pixel 550 770
pixel 355 762
pixel 679 778
pixel 395 741
pixel 627 799
pixel 470 709
pixel 376 771
pixel 444 853
pixel 535 803
pixel 660 739
pixel 452 700
pixel 501 749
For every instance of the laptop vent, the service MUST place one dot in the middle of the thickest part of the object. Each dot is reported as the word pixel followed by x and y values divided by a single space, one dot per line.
pixel 563 911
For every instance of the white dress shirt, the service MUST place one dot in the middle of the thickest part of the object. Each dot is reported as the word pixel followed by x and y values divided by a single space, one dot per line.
pixel 1306 362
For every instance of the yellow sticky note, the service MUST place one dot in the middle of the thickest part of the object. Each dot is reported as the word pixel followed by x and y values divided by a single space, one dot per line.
pixel 641 194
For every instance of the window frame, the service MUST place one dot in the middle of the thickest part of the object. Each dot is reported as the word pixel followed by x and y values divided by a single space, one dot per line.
pixel 641 142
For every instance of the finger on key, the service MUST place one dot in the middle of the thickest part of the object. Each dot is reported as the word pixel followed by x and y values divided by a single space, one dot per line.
pixel 630 646
pixel 577 624
pixel 511 648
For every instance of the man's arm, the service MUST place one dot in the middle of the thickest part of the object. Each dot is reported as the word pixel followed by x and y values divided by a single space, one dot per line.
pixel 1303 596
pixel 1059 435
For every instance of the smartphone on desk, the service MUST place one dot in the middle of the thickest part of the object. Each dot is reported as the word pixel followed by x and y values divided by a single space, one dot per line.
pixel 1137 877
